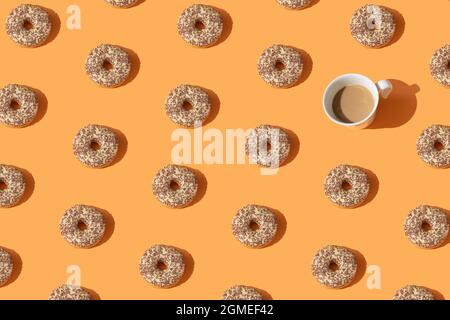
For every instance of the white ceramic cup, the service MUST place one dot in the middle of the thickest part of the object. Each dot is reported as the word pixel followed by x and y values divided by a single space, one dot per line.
pixel 382 88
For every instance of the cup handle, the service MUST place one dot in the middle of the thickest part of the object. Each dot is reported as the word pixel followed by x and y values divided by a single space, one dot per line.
pixel 385 88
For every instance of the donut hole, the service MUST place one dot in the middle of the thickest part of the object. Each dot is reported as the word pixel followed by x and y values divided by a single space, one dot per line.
pixel 199 25
pixel 81 225
pixel 268 146
pixel 94 145
pixel 425 226
pixel 27 25
pixel 372 23
pixel 279 65
pixel 161 265
pixel 3 185
pixel 174 185
pixel 107 65
pixel 187 106
pixel 448 65
pixel 14 105
pixel 333 266
pixel 346 186
pixel 438 145
pixel 253 225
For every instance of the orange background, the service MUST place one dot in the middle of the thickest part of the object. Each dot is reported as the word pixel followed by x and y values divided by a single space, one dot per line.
pixel 400 180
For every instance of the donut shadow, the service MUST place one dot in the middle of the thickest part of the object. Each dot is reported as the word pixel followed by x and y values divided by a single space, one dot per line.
pixel 398 108
pixel 437 295
pixel 17 266
pixel 123 146
pixel 373 189
pixel 265 294
pixel 135 66
pixel 360 270
pixel 307 66
pixel 202 187
pixel 94 295
pixel 295 146
pixel 215 106
pixel 281 229
pixel 312 3
pixel 447 240
pixel 42 106
pixel 136 4
pixel 29 186
pixel 227 26
pixel 56 25
pixel 110 226
pixel 189 265
pixel 399 26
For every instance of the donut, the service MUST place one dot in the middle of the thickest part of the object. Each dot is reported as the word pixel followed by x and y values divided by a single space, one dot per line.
pixel 334 266
pixel 6 266
pixel 347 186
pixel 82 226
pixel 188 106
pixel 12 186
pixel 175 186
pixel 294 4
pixel 122 3
pixel 242 293
pixel 412 292
pixel 426 226
pixel 28 25
pixel 268 146
pixel 254 226
pixel 373 26
pixel 200 25
pixel 18 105
pixel 108 65
pixel 440 65
pixel 162 266
pixel 280 66
pixel 433 146
pixel 69 292
pixel 95 146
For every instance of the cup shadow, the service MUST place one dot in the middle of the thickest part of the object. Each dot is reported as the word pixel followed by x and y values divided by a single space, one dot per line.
pixel 202 187
pixel 17 266
pixel 215 106
pixel 227 26
pixel 189 265
pixel 399 108
pixel 361 269
pixel 56 25
pixel 110 226
pixel 282 226
pixel 42 106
